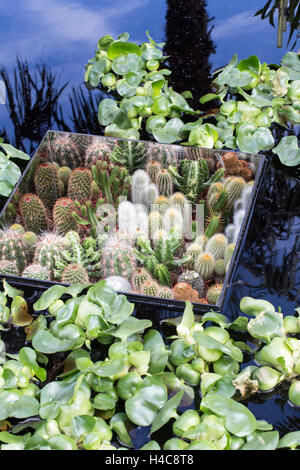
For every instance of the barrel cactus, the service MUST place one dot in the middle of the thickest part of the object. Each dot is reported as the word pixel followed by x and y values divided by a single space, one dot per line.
pixel 184 291
pixel 139 277
pixel 165 183
pixel 47 249
pixel 79 186
pixel 75 274
pixel 193 279
pixel 14 248
pixel 36 271
pixel 8 267
pixel 153 169
pixel 119 284
pixel 216 245
pixel 62 215
pixel 46 184
pixel 65 152
pixel 33 213
pixel 213 293
pixel 117 259
pixel 205 265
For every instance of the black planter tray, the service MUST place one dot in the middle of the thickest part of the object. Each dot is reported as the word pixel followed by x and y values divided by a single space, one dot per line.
pixel 169 154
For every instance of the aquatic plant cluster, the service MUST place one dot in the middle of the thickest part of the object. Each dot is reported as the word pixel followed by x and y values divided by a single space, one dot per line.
pixel 189 390
pixel 146 217
pixel 253 99
pixel 10 171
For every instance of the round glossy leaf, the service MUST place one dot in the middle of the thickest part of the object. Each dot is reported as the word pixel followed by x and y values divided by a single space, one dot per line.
pixel 124 64
pixel 119 48
pixel 252 63
pixel 62 442
pixel 263 441
pixel 47 343
pixel 290 440
pixel 81 425
pixel 27 357
pixel 107 111
pixel 288 151
pixel 49 297
pixel 15 405
pixel 96 71
pixel 266 326
pixel 167 412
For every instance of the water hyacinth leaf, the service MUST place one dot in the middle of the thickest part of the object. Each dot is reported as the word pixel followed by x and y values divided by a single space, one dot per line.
pixel 123 37
pixel 266 326
pixel 150 52
pixel 124 64
pixel 253 142
pixel 288 151
pixel 53 396
pixel 167 412
pixel 104 42
pixel 96 71
pixel 82 425
pixel 238 419
pixel 131 326
pixel 103 401
pixel 107 111
pixel 9 175
pixel 62 442
pixel 215 317
pixel 142 408
pixel 291 65
pixel 121 120
pixel 252 63
pixel 10 291
pixel 87 309
pixel 206 341
pixel 67 314
pixel 291 440
pixel 13 404
pixel 37 443
pixel 12 152
pixel 120 48
pixel 263 441
pixel 76 289
pixel 45 342
pixel 49 297
pixel 175 385
pixel 154 343
pixel 114 131
pixel 240 324
pixel 171 132
pixel 9 438
pixel 19 312
pixel 151 445
pixel 109 368
pixel 121 425
pixel 188 318
pixel 28 358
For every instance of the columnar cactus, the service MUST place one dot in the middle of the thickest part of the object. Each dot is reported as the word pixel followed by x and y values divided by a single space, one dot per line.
pixel 216 245
pixel 112 180
pixel 234 188
pixel 36 271
pixel 151 195
pixel 33 213
pixel 161 204
pixel 62 218
pixel 117 259
pixel 13 248
pixel 139 187
pixel 97 151
pixel 75 274
pixel 173 219
pixel 205 265
pixel 153 169
pixel 127 217
pixel 220 267
pixel 165 183
pixel 79 186
pixel 46 184
pixel 193 251
pixel 155 222
pixel 64 174
pixel 229 252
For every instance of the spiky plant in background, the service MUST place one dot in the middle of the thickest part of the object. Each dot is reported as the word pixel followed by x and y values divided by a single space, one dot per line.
pixel 119 284
pixel 173 219
pixel 117 258
pixel 161 205
pixel 234 187
pixel 94 218
pixel 193 279
pixel 193 251
pixel 235 166
pixel 205 265
pixel 13 248
pixel 82 141
pixel 183 291
pixel 139 277
pixel 79 186
pixel 33 213
pixel 8 267
pixel 62 215
pixel 75 274
pixel 155 222
pixel 213 293
pixel 48 248
pixel 153 169
pixel 131 155
pixel 164 183
pixel 46 184
pixel 36 271
pixel 31 239
pixel 151 195
pixel 98 150
pixel 112 180
pixel 216 245
pixel 139 187
pixel 65 152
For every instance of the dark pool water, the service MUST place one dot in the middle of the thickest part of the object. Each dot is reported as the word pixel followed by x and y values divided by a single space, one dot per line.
pixel 61 35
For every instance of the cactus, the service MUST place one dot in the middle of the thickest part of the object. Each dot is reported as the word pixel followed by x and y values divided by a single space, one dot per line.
pixel 112 180
pixel 98 151
pixel 229 252
pixel 127 217
pixel 131 155
pixel 165 293
pixel 75 274
pixel 65 152
pixel 95 191
pixel 139 277
pixel 64 174
pixel 220 267
pixel 217 201
pixel 215 188
pixel 173 219
pixel 17 228
pixel 231 233
pixel 201 240
pixel 46 184
pixel 8 267
pixel 194 280
pixel 246 195
pixel 36 271
pixel 30 238
pixel 205 265
pixel 153 168
pixel 165 183
pixel 183 291
pixel 139 187
pixel 213 294
pixel 235 166
pixel 155 222
pixel 193 178
pixel 94 218
pixel 79 186
pixel 238 218
pixel 119 284
pixel 151 195
pixel 81 141
pixel 33 213
pixel 213 224
pixel 62 219
pixel 193 251
pixel 150 288
pixel 117 259
pixel 49 247
pixel 216 245
pixel 161 274
pixel 234 188
pixel 161 205
pixel 13 248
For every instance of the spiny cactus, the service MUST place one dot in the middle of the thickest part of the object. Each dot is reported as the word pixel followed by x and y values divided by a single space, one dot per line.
pixel 119 284
pixel 161 205
pixel 246 195
pixel 238 218
pixel 213 293
pixel 117 259
pixel 13 248
pixel 155 222
pixel 62 218
pixel 75 274
pixel 98 151
pixel 8 267
pixel 150 288
pixel 193 279
pixel 213 224
pixel 131 155
pixel 173 219
pixel 235 166
pixel 153 168
pixel 65 152
pixel 215 188
pixel 127 217
pixel 113 180
pixel 64 174
pixel 165 183
pixel 183 291
pixel 193 251
pixel 220 267
pixel 33 213
pixel 192 177
pixel 231 233
pixel 94 219
pixel 165 293
pixel 216 245
pixel 17 228
pixel 49 247
pixel 201 240
pixel 139 277
pixel 217 201
pixel 46 184
pixel 36 271
pixel 162 275
pixel 30 238
pixel 151 195
pixel 205 265
pixel 234 188
pixel 139 187
pixel 79 186
pixel 229 252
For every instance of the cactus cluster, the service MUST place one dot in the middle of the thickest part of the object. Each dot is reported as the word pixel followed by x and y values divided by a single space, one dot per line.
pixel 113 181
pixel 33 213
pixel 64 151
pixel 235 166
pixel 117 259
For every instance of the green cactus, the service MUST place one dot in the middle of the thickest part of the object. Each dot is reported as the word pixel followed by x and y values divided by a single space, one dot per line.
pixel 229 252
pixel 17 228
pixel 194 280
pixel 216 245
pixel 65 152
pixel 161 274
pixel 173 219
pixel 234 188
pixel 75 274
pixel 93 218
pixel 117 259
pixel 62 219
pixel 151 195
pixel 81 141
pixel 150 288
pixel 193 178
pixel 205 265
pixel 36 271
pixel 112 180
pixel 220 267
pixel 165 183
pixel 161 205
pixel 153 169
pixel 139 277
pixel 213 224
pixel 13 248
pixel 193 251
pixel 31 239
pixel 47 249
pixel 131 155
pixel 165 293
pixel 217 200
pixel 8 267
pixel 33 213
pixel 46 184
pixel 79 186
pixel 213 294
pixel 98 151
pixel 155 222
pixel 64 174
pixel 179 200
